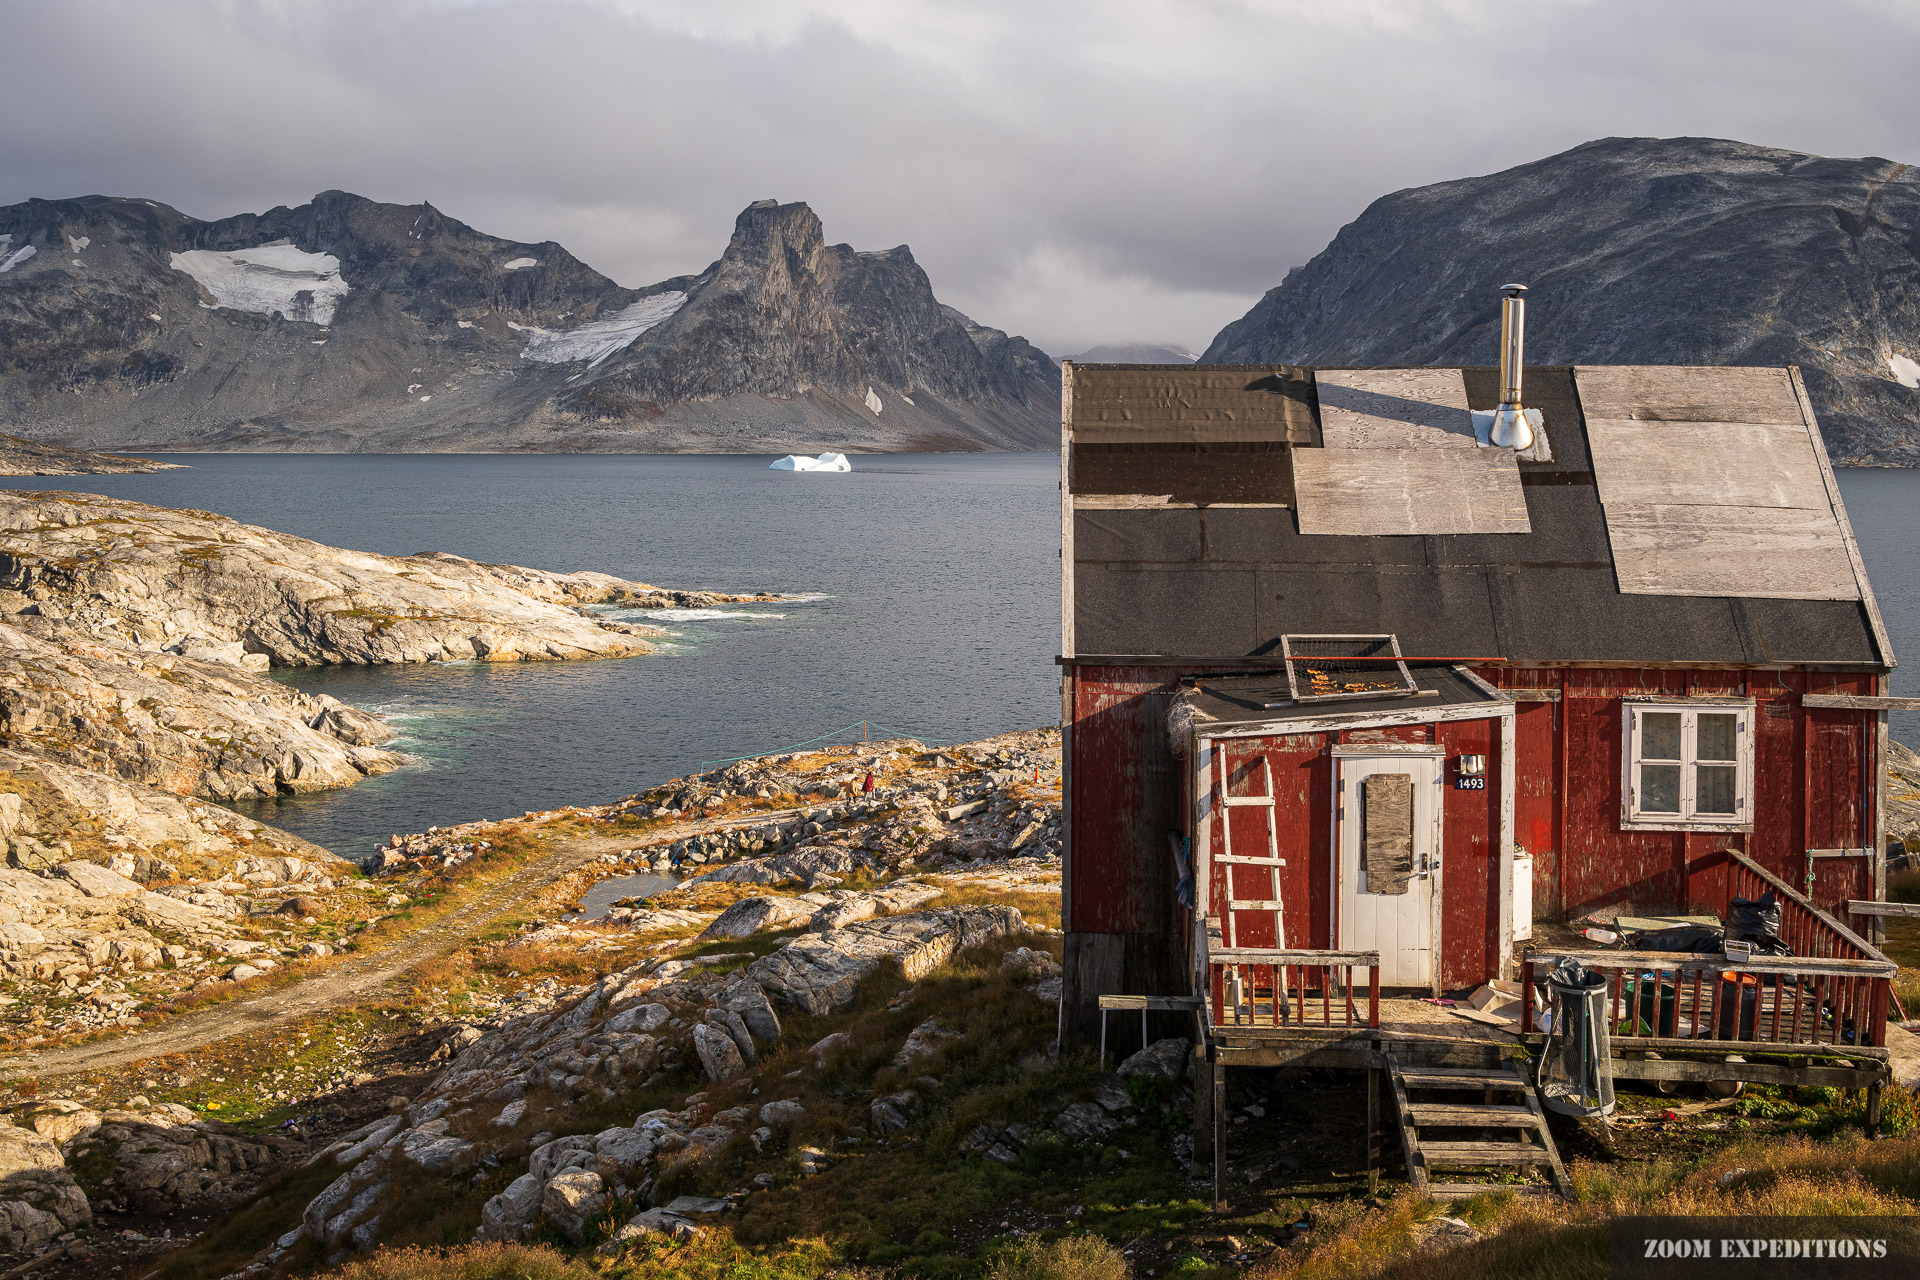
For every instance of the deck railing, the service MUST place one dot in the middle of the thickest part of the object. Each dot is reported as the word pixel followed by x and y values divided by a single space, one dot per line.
pixel 1832 991
pixel 1261 987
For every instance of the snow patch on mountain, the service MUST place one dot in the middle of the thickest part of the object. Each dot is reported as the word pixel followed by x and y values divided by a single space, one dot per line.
pixel 15 258
pixel 595 340
pixel 521 264
pixel 271 279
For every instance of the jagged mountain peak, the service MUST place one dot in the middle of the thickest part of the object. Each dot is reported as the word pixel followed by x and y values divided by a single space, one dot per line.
pixel 351 323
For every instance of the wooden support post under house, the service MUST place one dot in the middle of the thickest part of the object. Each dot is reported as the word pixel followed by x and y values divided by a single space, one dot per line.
pixel 1202 1106
pixel 1219 1091
pixel 1373 1129
pixel 1874 1100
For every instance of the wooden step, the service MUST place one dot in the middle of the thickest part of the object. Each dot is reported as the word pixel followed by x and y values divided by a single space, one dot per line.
pixel 1490 1115
pixel 1483 1153
pixel 1467 1190
pixel 1458 1078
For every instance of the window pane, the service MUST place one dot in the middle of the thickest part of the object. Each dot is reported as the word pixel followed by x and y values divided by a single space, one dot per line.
pixel 1714 789
pixel 1660 735
pixel 1660 787
pixel 1716 736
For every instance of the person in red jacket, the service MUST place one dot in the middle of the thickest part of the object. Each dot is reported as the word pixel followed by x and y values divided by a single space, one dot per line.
pixel 866 788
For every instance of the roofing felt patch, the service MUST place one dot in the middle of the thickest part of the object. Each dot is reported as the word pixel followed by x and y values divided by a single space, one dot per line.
pixel 1712 485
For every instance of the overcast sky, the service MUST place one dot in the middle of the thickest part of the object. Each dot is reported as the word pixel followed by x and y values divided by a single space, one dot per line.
pixel 1117 170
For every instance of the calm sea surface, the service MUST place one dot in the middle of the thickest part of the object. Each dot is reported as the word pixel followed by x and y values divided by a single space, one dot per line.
pixel 931 609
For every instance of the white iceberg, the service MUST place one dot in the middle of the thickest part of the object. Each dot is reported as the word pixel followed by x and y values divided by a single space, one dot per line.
pixel 268 279
pixel 825 462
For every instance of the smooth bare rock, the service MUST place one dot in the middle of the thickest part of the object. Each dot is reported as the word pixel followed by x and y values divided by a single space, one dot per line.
pixel 643 1018
pixel 820 972
pixel 19 457
pixel 784 1114
pixel 151 576
pixel 97 882
pixel 178 725
pixel 922 1040
pixel 730 1022
pixel 753 915
pixel 163 1159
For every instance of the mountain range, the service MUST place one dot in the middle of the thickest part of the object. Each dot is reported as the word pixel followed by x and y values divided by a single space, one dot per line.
pixel 346 325
pixel 1636 251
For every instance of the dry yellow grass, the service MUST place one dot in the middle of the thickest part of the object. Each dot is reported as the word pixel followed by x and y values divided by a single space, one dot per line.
pixel 1548 1240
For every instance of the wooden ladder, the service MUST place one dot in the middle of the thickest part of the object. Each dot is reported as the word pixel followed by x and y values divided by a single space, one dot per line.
pixel 1519 1137
pixel 1229 859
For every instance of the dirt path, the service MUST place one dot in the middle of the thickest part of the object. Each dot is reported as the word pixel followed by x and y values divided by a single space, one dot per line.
pixel 354 979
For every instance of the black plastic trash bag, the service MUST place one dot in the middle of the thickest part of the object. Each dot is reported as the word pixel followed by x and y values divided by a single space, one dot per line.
pixel 1694 939
pixel 1751 921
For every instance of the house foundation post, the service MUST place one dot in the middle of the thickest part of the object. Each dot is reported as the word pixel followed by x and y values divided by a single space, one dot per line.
pixel 1219 1137
pixel 1874 1092
pixel 1202 1106
pixel 1373 1128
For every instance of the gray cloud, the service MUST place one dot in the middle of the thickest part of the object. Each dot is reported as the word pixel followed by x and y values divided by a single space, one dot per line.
pixel 1131 169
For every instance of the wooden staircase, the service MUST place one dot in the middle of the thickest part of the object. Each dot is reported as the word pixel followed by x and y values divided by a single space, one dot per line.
pixel 1502 1128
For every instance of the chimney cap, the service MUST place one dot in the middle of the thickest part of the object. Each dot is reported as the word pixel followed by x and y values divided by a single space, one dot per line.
pixel 1512 290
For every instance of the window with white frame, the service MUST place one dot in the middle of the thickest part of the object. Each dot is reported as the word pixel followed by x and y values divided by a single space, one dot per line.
pixel 1688 765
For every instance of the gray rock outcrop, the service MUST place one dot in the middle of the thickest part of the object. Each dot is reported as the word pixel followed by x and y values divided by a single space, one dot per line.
pixel 820 972
pixel 1638 251
pixel 39 1199
pixel 20 457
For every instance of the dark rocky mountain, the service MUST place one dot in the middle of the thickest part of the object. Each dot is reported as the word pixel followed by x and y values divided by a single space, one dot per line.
pixel 1638 251
pixel 349 325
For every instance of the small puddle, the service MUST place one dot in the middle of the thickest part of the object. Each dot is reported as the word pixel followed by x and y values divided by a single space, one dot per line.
pixel 597 901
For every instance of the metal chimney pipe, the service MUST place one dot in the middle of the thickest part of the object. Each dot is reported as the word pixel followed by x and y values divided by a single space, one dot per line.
pixel 1511 429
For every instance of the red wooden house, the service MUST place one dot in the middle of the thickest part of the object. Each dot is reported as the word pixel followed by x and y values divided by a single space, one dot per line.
pixel 1343 678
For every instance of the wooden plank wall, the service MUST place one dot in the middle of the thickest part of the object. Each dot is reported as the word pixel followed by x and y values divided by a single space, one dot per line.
pixel 1811 774
pixel 1469 865
pixel 1303 786
pixel 1123 924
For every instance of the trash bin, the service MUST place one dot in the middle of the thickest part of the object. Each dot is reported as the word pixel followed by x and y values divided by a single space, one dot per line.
pixel 1575 1073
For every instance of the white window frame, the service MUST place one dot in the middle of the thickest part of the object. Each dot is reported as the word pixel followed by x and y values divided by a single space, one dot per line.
pixel 1631 819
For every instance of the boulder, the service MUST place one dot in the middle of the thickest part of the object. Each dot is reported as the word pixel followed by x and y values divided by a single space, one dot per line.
pixel 1166 1059
pixel 749 1000
pixel 894 1112
pixel 39 1199
pixel 753 915
pixel 784 1114
pixel 731 1023
pixel 508 1215
pixel 570 1199
pixel 719 1053
pixel 922 1040
pixel 644 1018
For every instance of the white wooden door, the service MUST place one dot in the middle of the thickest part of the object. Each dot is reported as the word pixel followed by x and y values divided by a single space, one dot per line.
pixel 1395 917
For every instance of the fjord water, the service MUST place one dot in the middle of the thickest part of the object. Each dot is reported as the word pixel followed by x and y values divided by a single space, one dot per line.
pixel 931 608
pixel 932 586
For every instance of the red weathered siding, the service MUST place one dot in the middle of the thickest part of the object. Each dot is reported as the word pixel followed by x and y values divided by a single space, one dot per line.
pixel 1125 802
pixel 1469 864
pixel 1303 810
pixel 1813 771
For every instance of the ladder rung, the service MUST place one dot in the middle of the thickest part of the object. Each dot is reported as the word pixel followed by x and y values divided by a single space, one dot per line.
pixel 1238 861
pixel 1263 801
pixel 1252 905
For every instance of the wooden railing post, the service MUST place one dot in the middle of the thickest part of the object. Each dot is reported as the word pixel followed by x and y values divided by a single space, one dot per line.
pixel 1526 996
pixel 1373 995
